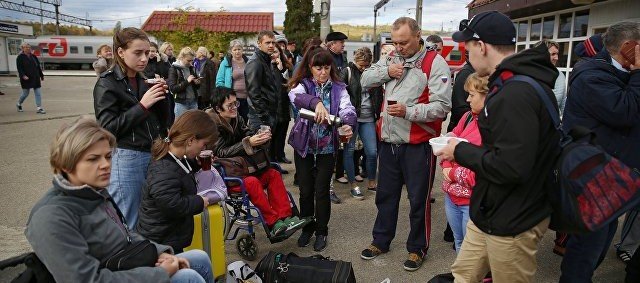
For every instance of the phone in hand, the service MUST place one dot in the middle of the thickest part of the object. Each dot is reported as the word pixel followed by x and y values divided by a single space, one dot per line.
pixel 628 51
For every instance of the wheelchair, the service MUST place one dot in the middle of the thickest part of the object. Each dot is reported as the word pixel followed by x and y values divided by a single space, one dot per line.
pixel 241 215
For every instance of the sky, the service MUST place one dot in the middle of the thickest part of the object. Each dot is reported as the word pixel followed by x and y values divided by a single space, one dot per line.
pixel 437 14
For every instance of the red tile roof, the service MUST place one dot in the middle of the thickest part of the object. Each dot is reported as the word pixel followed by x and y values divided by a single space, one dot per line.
pixel 478 3
pixel 210 21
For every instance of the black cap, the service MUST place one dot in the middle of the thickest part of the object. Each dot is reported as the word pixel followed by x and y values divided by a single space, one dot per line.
pixel 336 35
pixel 491 27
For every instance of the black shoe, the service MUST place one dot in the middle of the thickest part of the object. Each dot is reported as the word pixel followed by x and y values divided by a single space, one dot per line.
pixel 448 234
pixel 321 243
pixel 284 160
pixel 413 263
pixel 305 239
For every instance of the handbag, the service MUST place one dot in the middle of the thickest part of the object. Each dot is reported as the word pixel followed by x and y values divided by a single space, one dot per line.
pixel 242 166
pixel 138 254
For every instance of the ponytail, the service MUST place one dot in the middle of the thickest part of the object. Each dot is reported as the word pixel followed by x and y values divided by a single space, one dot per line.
pixel 160 148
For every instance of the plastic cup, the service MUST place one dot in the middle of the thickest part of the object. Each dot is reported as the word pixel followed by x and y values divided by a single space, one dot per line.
pixel 264 129
pixel 205 159
pixel 437 144
pixel 391 102
pixel 343 134
pixel 151 82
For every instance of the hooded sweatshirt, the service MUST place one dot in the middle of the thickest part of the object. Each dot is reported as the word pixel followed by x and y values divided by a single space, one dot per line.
pixel 519 147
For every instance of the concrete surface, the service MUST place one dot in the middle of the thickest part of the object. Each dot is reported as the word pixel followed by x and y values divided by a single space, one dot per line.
pixel 25 175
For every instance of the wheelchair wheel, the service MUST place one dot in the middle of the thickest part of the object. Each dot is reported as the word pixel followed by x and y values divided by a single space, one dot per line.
pixel 247 247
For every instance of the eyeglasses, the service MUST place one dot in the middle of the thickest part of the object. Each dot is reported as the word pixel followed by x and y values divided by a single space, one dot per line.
pixel 464 24
pixel 233 105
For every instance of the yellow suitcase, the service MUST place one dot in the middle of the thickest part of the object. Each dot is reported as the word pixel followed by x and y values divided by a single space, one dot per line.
pixel 208 235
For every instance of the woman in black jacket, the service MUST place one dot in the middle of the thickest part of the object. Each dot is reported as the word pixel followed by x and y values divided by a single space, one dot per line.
pixel 206 70
pixel 156 66
pixel 169 198
pixel 133 112
pixel 184 81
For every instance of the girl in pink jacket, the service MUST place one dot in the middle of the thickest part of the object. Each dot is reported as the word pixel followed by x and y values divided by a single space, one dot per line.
pixel 459 181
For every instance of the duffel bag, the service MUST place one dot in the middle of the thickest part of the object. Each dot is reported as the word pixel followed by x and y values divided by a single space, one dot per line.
pixel 278 267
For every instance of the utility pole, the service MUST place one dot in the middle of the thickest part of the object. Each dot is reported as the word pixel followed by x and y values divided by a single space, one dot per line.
pixel 419 13
pixel 57 19
pixel 41 21
pixel 377 7
pixel 325 20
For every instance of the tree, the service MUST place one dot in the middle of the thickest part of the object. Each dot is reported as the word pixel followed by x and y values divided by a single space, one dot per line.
pixel 299 21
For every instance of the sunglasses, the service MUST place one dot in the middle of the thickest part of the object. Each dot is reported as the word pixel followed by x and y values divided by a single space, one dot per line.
pixel 464 25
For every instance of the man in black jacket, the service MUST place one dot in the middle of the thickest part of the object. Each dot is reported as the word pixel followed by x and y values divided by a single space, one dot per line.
pixel 261 84
pixel 509 207
pixel 31 76
pixel 605 97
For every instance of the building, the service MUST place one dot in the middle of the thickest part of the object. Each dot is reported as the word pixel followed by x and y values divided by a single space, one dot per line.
pixel 560 20
pixel 11 37
pixel 248 24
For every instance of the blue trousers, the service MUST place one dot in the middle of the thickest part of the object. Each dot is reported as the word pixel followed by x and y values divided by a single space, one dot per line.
pixel 367 132
pixel 36 93
pixel 409 164
pixel 199 270
pixel 128 175
pixel 183 107
pixel 585 252
pixel 457 216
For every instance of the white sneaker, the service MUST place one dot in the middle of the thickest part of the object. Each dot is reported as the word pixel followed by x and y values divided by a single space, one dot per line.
pixel 356 193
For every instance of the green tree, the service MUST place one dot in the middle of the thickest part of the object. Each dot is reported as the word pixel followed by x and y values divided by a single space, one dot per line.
pixel 299 21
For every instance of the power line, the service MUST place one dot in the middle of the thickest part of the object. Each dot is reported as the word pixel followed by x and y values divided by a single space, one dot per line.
pixel 44 13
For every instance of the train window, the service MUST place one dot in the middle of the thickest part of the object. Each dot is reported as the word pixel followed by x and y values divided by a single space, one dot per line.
pixel 14 46
pixel 88 49
pixel 73 49
pixel 455 55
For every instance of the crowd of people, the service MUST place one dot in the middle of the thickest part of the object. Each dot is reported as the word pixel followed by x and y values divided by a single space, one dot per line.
pixel 130 173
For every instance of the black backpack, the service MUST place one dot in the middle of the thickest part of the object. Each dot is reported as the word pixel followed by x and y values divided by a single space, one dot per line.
pixel 280 268
pixel 36 272
pixel 591 188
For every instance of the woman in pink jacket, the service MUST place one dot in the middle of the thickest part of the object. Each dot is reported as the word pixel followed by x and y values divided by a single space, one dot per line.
pixel 459 181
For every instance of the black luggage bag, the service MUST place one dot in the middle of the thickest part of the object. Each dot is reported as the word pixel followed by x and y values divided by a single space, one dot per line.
pixel 280 268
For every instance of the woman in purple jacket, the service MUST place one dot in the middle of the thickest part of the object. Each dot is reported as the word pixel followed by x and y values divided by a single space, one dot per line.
pixel 315 86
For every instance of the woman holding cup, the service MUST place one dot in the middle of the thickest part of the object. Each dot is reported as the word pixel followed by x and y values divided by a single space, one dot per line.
pixel 458 181
pixel 316 87
pixel 170 199
pixel 134 113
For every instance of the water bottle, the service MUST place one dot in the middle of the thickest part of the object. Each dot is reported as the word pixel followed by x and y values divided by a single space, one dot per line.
pixel 311 116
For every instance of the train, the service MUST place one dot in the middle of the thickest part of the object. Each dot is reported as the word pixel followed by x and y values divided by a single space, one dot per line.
pixel 78 52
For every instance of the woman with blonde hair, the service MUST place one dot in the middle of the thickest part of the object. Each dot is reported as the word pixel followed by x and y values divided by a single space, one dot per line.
pixel 206 70
pixel 76 229
pixel 105 59
pixel 169 198
pixel 183 82
pixel 134 112
pixel 231 75
pixel 458 181
pixel 166 51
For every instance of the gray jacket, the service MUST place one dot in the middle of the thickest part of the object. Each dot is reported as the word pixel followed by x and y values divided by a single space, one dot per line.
pixel 71 231
pixel 425 112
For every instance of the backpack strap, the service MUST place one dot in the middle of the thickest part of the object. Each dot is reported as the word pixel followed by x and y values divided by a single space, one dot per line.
pixel 427 61
pixel 543 96
pixel 468 120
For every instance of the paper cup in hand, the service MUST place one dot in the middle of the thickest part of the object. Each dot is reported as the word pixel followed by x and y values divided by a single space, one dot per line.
pixel 437 144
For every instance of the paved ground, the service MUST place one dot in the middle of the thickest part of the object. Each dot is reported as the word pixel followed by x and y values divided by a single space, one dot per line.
pixel 25 175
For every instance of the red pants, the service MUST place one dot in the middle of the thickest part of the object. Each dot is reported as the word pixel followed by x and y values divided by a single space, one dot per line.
pixel 274 205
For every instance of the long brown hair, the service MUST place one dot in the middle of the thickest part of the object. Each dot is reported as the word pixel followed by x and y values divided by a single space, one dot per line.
pixel 193 123
pixel 122 39
pixel 315 56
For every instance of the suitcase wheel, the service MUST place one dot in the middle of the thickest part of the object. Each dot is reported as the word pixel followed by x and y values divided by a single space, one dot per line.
pixel 247 247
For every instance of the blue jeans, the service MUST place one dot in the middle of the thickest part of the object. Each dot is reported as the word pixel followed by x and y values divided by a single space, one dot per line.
pixel 183 107
pixel 585 252
pixel 128 175
pixel 367 133
pixel 36 92
pixel 457 216
pixel 199 271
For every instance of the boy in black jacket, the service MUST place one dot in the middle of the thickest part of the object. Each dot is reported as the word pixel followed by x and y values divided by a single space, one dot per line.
pixel 509 208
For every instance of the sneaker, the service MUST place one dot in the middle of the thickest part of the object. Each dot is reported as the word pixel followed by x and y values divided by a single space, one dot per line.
pixel 41 111
pixel 372 189
pixel 371 252
pixel 278 228
pixel 359 179
pixel 355 193
pixel 321 243
pixel 342 180
pixel 334 198
pixel 295 223
pixel 305 239
pixel 19 107
pixel 623 255
pixel 413 263
pixel 448 234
